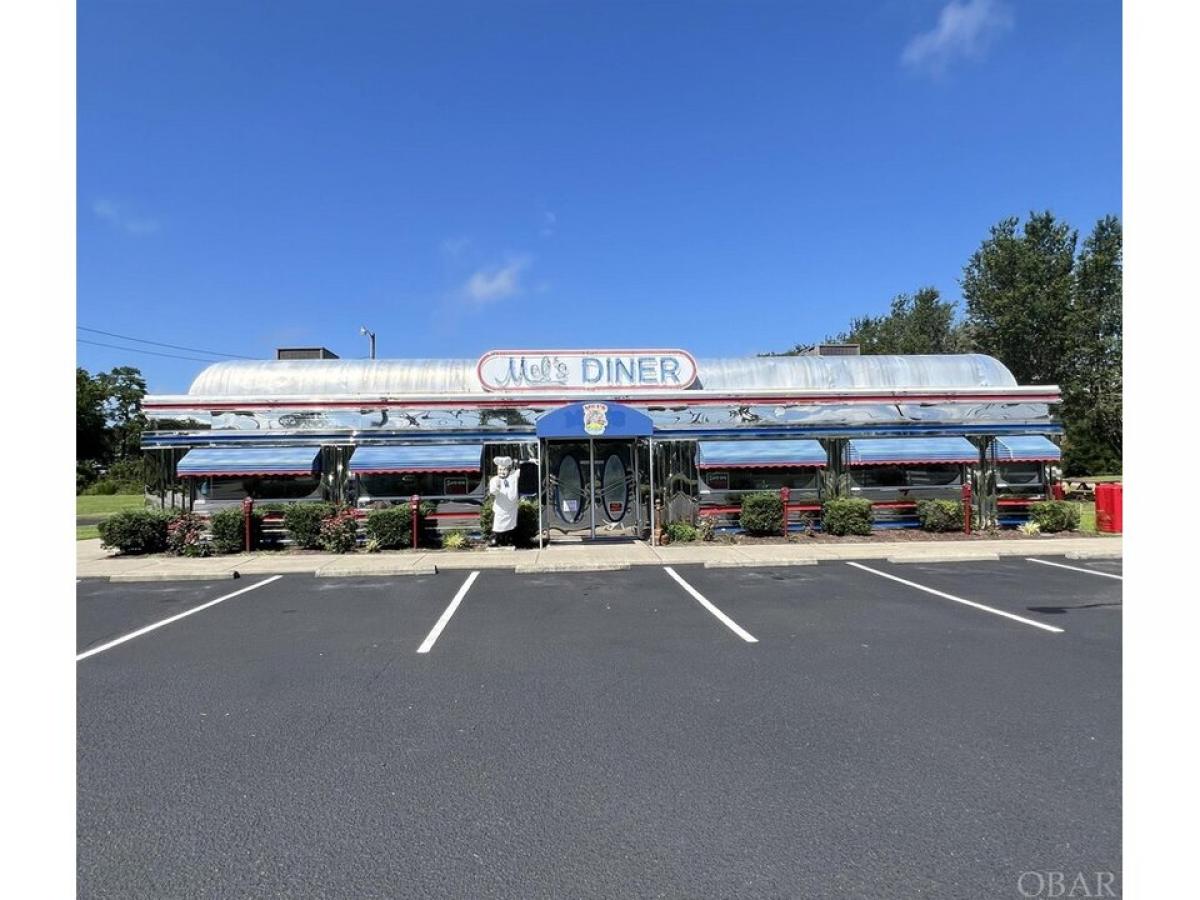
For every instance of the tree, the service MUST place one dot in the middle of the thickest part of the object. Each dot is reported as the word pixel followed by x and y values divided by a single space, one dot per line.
pixel 1092 408
pixel 90 438
pixel 920 323
pixel 1052 318
pixel 1020 290
pixel 124 388
pixel 108 414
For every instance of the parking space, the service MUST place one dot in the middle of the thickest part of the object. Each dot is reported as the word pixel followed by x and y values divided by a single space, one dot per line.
pixel 105 612
pixel 603 733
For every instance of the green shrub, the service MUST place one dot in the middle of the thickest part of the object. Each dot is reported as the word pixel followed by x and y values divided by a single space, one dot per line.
pixel 102 488
pixel 762 513
pixel 455 540
pixel 527 521
pixel 86 472
pixel 391 528
pixel 681 532
pixel 185 536
pixel 1055 515
pixel 846 516
pixel 303 523
pixel 339 532
pixel 229 530
pixel 1029 529
pixel 135 531
pixel 940 515
pixel 129 474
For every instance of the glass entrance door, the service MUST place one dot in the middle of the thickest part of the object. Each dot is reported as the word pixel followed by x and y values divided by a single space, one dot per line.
pixel 592 486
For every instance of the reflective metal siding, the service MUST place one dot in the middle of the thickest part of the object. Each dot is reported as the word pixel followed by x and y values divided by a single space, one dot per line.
pixel 387 377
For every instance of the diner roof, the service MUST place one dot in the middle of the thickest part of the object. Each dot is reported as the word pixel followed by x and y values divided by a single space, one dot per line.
pixel 394 377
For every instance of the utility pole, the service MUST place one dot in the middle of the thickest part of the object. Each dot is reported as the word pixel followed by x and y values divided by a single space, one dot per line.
pixel 370 335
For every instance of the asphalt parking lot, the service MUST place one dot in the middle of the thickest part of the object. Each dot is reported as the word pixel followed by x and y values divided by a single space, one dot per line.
pixel 822 730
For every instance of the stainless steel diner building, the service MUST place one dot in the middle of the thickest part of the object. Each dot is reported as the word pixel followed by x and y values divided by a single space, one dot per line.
pixel 610 442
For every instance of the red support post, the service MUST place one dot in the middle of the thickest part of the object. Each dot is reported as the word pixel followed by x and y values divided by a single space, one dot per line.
pixel 414 506
pixel 785 494
pixel 248 520
pixel 1056 490
pixel 966 507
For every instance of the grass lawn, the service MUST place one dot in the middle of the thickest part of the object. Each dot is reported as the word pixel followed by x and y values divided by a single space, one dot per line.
pixel 101 505
pixel 1087 517
pixel 106 505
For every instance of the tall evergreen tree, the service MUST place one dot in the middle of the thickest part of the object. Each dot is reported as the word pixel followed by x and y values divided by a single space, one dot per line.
pixel 1092 408
pixel 1020 287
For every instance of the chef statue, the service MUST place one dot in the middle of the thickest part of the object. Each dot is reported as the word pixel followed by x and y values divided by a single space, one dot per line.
pixel 503 488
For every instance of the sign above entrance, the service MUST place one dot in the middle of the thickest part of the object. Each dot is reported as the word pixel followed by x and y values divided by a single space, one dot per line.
pixel 586 370
pixel 594 420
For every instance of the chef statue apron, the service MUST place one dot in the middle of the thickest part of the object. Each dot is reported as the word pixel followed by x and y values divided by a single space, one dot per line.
pixel 503 488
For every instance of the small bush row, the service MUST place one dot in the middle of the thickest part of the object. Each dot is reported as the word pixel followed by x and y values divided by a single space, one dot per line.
pixel 312 526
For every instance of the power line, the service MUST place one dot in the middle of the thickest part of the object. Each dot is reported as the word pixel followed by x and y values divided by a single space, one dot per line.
pixel 126 337
pixel 138 350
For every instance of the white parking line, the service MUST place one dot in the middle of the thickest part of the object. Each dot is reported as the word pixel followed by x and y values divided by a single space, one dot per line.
pixel 1044 562
pixel 176 618
pixel 728 622
pixel 929 590
pixel 432 637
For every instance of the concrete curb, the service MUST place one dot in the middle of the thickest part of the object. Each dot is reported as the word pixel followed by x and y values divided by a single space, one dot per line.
pixel 376 572
pixel 1096 554
pixel 756 564
pixel 945 558
pixel 132 577
pixel 545 568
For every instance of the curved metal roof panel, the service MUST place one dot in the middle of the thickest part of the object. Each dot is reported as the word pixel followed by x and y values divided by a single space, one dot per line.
pixel 386 377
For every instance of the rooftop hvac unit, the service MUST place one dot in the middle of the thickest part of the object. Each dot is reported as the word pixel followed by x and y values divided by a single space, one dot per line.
pixel 835 350
pixel 305 353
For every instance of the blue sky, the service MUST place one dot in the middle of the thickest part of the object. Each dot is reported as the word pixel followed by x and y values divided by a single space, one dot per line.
pixel 728 178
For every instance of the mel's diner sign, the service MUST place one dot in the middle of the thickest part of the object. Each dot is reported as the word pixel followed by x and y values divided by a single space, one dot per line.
pixel 586 370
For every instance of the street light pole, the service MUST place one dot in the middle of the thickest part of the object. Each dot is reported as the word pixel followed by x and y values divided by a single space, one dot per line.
pixel 362 329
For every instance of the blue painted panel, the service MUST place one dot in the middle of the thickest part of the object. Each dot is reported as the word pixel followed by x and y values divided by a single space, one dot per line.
pixel 594 420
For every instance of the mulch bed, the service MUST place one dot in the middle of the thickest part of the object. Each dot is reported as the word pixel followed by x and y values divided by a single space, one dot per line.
pixel 899 536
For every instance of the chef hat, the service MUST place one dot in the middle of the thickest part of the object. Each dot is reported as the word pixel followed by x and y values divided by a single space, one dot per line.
pixel 503 462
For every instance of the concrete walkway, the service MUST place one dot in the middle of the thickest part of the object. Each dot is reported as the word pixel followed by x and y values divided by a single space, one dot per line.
pixel 93 562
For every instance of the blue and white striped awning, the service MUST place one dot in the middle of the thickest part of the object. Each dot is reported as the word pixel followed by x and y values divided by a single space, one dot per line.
pixel 204 461
pixel 1027 448
pixel 785 454
pixel 416 458
pixel 910 451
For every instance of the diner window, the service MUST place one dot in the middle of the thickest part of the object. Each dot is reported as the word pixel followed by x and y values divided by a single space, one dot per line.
pixel 717 481
pixel 773 480
pixel 454 485
pixel 1021 473
pixel 878 476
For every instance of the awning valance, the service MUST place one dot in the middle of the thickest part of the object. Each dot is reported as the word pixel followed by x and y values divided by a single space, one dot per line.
pixel 759 454
pixel 1027 448
pixel 416 458
pixel 910 451
pixel 206 461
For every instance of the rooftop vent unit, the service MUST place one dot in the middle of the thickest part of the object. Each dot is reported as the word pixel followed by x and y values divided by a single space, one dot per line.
pixel 305 353
pixel 835 350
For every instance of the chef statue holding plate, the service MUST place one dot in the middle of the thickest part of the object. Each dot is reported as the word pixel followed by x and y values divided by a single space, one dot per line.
pixel 503 488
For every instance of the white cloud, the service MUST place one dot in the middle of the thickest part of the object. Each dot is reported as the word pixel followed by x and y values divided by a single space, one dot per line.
pixel 963 31
pixel 120 218
pixel 489 285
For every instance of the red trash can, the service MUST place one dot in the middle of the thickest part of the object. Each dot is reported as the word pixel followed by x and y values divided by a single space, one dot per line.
pixel 1104 519
pixel 1115 509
